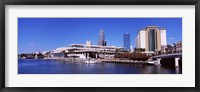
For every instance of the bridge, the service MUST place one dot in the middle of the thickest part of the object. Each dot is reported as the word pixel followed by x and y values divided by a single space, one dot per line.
pixel 174 55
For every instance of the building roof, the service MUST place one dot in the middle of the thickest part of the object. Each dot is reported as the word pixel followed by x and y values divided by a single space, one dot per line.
pixel 73 45
pixel 162 28
pixel 97 46
pixel 152 26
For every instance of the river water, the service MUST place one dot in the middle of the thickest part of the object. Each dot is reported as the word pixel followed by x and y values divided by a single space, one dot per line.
pixel 39 66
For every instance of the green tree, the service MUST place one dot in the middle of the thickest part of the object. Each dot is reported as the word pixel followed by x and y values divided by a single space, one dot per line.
pixel 169 49
pixel 139 50
pixel 132 56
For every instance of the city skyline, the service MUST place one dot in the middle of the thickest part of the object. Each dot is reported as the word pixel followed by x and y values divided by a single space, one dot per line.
pixel 42 34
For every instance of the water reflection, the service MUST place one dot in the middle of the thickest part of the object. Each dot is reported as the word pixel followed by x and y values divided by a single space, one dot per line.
pixel 59 67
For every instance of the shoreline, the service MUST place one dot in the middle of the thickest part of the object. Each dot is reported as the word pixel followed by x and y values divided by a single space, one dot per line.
pixel 73 60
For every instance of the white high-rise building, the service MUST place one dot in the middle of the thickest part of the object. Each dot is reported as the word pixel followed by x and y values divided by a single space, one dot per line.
pixel 131 48
pixel 140 39
pixel 163 37
pixel 151 38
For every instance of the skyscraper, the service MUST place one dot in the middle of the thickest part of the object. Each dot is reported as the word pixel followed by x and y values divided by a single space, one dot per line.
pixel 163 37
pixel 131 47
pixel 127 41
pixel 102 41
pixel 151 38
pixel 141 39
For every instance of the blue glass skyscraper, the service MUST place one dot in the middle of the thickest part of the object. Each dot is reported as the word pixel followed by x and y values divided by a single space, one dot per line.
pixel 127 41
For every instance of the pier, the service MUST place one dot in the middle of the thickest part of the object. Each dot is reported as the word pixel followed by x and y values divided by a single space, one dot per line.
pixel 123 61
pixel 100 61
pixel 172 60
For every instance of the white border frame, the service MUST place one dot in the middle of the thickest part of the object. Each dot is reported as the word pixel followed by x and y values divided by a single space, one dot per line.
pixel 186 79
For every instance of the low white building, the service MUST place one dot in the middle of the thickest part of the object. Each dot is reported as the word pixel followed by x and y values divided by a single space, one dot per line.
pixel 94 51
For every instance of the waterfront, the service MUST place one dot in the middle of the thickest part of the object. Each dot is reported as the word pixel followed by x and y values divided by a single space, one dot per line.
pixel 41 66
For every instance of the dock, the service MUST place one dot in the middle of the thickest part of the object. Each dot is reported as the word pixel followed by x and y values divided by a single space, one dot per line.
pixel 117 61
pixel 123 61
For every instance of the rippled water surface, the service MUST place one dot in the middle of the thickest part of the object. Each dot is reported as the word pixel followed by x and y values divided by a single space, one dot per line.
pixel 32 66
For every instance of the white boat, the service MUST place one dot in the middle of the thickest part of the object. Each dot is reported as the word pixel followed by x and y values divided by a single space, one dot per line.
pixel 82 58
pixel 151 62
pixel 91 61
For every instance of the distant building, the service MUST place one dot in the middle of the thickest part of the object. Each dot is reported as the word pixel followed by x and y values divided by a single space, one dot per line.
pixel 88 50
pixel 127 41
pixel 177 47
pixel 94 51
pixel 105 43
pixel 163 37
pixel 151 38
pixel 174 48
pixel 169 49
pixel 163 49
pixel 88 43
pixel 102 41
pixel 131 47
pixel 141 39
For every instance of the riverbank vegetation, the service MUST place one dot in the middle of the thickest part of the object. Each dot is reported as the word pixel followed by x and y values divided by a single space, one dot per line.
pixel 132 56
pixel 30 56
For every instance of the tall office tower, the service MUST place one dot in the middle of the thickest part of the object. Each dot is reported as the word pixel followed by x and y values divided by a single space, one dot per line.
pixel 105 43
pixel 102 41
pixel 151 38
pixel 141 39
pixel 127 41
pixel 163 37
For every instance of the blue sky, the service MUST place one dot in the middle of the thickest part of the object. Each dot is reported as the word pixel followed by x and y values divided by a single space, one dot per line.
pixel 42 34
